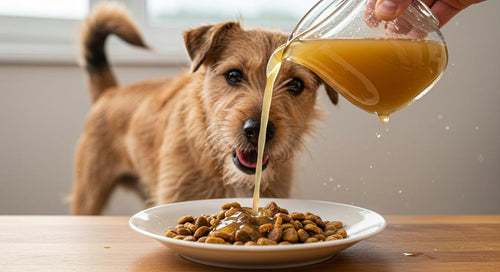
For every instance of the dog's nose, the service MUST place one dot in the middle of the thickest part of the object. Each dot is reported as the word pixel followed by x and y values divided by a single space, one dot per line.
pixel 251 129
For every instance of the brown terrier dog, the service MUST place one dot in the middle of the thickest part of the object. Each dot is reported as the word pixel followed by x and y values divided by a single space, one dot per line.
pixel 194 136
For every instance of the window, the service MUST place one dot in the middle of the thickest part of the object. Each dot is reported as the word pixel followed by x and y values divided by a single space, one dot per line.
pixel 263 13
pixel 47 30
pixel 60 9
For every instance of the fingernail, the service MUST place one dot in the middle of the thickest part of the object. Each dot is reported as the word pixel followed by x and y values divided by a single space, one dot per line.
pixel 387 8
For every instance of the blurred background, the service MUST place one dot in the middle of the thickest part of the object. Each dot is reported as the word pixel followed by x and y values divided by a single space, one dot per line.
pixel 441 155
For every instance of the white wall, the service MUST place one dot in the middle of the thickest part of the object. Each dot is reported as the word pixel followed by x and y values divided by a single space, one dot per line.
pixel 440 155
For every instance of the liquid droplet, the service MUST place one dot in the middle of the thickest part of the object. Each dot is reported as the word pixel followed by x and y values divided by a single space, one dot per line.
pixel 447 127
pixel 383 118
pixel 371 166
pixel 378 135
pixel 400 191
pixel 412 254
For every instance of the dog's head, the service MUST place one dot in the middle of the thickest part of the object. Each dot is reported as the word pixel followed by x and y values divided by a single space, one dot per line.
pixel 233 63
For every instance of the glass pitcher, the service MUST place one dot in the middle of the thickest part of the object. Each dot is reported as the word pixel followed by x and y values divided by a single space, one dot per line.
pixel 378 66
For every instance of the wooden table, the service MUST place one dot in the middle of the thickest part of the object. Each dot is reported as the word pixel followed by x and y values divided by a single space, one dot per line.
pixel 103 243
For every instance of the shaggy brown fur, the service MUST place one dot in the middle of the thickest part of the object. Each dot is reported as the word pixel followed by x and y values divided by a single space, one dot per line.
pixel 177 136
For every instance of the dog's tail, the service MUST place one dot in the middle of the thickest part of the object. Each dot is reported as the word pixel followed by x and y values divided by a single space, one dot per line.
pixel 105 19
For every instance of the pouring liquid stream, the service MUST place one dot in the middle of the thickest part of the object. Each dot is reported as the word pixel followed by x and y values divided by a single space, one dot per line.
pixel 377 75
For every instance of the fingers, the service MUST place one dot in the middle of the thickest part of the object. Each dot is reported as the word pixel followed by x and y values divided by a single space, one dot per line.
pixel 444 12
pixel 388 10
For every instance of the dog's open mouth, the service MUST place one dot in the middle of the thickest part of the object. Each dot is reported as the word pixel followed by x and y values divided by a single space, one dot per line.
pixel 246 161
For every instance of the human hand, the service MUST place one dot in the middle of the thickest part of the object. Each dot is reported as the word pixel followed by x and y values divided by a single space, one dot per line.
pixel 444 10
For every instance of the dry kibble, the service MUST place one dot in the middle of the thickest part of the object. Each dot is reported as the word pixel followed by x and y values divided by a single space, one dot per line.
pixel 305 222
pixel 333 225
pixel 238 243
pixel 250 243
pixel 190 226
pixel 329 233
pixel 285 217
pixel 180 237
pixel 201 221
pixel 171 234
pixel 311 217
pixel 331 238
pixel 290 235
pixel 184 219
pixel 215 240
pixel 275 234
pixel 273 207
pixel 201 231
pixel 284 243
pixel 202 239
pixel 229 205
pixel 320 223
pixel 287 225
pixel 296 224
pixel 183 231
pixel 265 242
pixel 189 238
pixel 342 232
pixel 283 210
pixel 303 235
pixel 318 236
pixel 313 228
pixel 297 216
pixel 278 222
pixel 311 240
pixel 266 227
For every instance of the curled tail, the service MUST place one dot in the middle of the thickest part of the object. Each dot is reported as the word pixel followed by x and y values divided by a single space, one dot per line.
pixel 105 19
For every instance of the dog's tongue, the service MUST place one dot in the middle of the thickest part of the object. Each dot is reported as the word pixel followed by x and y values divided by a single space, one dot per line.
pixel 249 158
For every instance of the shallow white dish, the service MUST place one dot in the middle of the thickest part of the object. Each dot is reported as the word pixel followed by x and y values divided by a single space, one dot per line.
pixel 359 223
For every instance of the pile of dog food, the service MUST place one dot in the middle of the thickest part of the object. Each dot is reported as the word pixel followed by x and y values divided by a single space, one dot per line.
pixel 272 225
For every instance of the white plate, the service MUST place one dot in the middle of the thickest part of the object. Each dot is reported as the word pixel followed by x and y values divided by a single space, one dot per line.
pixel 359 223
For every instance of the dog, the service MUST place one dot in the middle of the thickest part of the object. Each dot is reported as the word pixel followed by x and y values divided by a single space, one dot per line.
pixel 193 136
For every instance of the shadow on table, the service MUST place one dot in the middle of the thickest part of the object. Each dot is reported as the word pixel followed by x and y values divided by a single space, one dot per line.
pixel 164 259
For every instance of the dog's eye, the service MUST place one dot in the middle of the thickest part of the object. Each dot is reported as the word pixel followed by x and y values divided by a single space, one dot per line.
pixel 295 86
pixel 234 77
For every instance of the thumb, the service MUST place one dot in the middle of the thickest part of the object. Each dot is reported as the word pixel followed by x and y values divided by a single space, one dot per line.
pixel 388 10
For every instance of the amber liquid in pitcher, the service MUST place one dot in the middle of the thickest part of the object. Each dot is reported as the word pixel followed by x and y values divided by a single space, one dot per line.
pixel 377 75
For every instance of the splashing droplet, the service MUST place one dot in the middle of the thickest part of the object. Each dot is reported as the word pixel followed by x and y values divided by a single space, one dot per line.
pixel 440 116
pixel 400 191
pixel 378 135
pixel 331 180
pixel 384 118
pixel 371 166
pixel 324 183
pixel 447 127
pixel 338 185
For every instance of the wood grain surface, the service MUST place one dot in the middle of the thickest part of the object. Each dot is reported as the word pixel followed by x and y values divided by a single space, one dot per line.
pixel 104 243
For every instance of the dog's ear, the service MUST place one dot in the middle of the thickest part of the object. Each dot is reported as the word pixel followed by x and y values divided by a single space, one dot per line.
pixel 332 94
pixel 205 41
